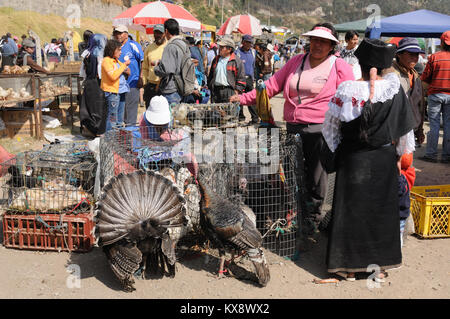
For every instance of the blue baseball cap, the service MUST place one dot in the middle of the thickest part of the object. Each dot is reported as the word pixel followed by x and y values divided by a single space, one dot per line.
pixel 409 45
pixel 247 38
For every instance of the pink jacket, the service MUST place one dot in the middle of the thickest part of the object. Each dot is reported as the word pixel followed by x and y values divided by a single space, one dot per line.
pixel 313 112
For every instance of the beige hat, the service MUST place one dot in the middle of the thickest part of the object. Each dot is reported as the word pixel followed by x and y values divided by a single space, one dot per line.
pixel 121 28
pixel 158 112
pixel 28 43
pixel 321 32
pixel 226 42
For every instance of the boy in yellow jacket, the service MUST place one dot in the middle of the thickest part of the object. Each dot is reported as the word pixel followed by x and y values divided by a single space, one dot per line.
pixel 112 70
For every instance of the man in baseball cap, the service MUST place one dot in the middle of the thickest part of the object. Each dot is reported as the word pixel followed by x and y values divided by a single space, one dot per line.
pixel 247 54
pixel 407 56
pixel 27 59
pixel 152 54
pixel 227 75
pixel 131 50
pixel 437 75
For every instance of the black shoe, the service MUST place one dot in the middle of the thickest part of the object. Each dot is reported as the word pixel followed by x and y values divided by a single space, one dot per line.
pixel 428 159
pixel 445 160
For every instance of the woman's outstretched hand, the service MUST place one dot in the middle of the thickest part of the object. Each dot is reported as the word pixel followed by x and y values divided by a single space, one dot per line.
pixel 235 98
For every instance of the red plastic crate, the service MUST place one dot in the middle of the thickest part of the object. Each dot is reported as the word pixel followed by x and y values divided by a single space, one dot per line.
pixel 49 232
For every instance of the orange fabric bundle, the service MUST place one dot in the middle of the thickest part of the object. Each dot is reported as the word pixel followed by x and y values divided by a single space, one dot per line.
pixel 407 169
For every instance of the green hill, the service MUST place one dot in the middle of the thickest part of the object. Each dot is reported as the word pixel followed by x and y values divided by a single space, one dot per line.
pixel 46 26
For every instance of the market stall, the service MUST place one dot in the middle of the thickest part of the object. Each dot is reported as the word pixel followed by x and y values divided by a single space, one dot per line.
pixel 59 87
pixel 18 110
pixel 22 97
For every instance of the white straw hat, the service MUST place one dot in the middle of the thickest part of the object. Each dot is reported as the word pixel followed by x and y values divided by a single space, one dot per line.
pixel 158 111
pixel 321 32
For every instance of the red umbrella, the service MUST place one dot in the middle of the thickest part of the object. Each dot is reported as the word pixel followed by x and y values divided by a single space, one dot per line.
pixel 395 40
pixel 145 15
pixel 244 24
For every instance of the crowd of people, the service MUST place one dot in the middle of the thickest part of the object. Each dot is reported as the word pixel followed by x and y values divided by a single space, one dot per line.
pixel 176 67
pixel 12 49
pixel 358 109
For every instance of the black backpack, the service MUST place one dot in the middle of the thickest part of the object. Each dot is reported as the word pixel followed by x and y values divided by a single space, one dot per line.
pixel 186 80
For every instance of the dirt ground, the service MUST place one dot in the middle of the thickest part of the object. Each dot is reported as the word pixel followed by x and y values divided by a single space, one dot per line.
pixel 425 272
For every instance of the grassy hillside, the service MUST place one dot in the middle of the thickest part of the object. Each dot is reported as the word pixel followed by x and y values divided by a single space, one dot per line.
pixel 46 26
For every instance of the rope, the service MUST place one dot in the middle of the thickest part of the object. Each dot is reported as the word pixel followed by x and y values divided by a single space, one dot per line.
pixel 60 227
pixel 57 227
pixel 83 199
pixel 275 226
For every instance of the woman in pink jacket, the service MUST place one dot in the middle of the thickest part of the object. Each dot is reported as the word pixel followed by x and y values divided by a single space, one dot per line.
pixel 308 82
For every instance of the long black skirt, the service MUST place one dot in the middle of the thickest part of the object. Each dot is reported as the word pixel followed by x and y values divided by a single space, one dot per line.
pixel 365 228
pixel 93 108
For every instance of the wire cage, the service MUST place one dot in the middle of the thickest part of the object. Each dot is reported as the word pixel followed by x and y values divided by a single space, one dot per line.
pixel 57 179
pixel 212 115
pixel 261 176
pixel 53 85
pixel 123 150
pixel 260 171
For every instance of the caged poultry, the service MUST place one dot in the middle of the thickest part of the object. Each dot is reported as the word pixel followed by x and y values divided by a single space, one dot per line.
pixel 229 224
pixel 134 215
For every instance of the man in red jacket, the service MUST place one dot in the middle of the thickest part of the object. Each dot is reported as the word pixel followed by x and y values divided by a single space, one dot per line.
pixel 227 75
pixel 437 75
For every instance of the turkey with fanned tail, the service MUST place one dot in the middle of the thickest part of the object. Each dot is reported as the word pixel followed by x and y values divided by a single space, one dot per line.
pixel 227 225
pixel 134 215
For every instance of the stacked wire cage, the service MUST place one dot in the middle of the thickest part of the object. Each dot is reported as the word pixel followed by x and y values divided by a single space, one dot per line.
pixel 262 176
pixel 48 198
pixel 212 115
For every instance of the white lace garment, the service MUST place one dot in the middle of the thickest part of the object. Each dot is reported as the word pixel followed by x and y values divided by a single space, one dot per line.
pixel 347 105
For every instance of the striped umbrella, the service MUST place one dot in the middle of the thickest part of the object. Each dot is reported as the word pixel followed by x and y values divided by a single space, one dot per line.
pixel 144 16
pixel 244 24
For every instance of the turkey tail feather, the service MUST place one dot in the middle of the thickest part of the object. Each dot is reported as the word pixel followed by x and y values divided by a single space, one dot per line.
pixel 124 262
pixel 261 267
pixel 131 199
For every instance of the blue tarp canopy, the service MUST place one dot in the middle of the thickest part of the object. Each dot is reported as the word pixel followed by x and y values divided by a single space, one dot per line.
pixel 420 23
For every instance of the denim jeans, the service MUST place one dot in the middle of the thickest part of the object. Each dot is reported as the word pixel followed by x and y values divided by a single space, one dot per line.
pixel 438 103
pixel 173 98
pixel 116 107
pixel 402 230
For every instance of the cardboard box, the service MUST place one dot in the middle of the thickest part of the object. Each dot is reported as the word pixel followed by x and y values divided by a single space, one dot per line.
pixel 21 123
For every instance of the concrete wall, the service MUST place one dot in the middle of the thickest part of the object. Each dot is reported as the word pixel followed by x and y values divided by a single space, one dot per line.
pixel 88 8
